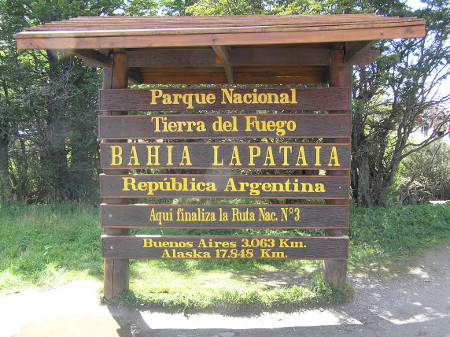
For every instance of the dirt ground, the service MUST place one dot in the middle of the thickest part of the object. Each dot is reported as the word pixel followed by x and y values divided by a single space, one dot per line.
pixel 412 299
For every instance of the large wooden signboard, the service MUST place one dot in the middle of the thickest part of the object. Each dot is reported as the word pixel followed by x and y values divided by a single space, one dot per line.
pixel 243 141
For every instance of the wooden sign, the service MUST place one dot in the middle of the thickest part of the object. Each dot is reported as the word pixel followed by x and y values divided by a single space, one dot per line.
pixel 169 99
pixel 223 186
pixel 316 156
pixel 225 126
pixel 223 247
pixel 224 216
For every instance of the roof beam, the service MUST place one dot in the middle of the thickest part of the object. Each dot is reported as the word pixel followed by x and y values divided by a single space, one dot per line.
pixel 135 76
pixel 93 58
pixel 224 56
pixel 354 49
pixel 363 59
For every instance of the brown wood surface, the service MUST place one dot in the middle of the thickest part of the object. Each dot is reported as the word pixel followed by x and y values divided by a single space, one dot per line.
pixel 287 216
pixel 154 99
pixel 146 126
pixel 280 156
pixel 116 272
pixel 186 22
pixel 223 186
pixel 127 39
pixel 104 32
pixel 241 75
pixel 224 247
pixel 335 272
pixel 238 56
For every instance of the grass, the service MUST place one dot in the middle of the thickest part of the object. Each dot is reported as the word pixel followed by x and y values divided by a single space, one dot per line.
pixel 48 245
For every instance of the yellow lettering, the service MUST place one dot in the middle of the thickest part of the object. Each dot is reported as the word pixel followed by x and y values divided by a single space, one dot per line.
pixel 169 155
pixel 301 157
pixel 255 151
pixel 116 155
pixel 216 149
pixel 231 186
pixel 319 187
pixel 134 160
pixel 129 183
pixel 185 157
pixel 156 93
pixel 334 156
pixel 269 157
pixel 153 153
pixel 317 155
pixel 235 160
pixel 285 150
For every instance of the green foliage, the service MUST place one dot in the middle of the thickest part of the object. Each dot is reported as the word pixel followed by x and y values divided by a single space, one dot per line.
pixel 230 7
pixel 424 176
pixel 381 235
pixel 48 145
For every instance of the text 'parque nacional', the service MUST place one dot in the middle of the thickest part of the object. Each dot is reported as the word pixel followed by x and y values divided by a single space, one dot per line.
pixel 177 99
pixel 228 96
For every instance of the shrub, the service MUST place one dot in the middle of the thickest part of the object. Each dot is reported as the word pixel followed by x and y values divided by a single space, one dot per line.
pixel 424 176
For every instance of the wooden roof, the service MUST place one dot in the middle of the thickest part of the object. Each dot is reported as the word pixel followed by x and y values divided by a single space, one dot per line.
pixel 225 49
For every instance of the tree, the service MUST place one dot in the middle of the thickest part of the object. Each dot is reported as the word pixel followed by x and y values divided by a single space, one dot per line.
pixel 47 101
pixel 389 95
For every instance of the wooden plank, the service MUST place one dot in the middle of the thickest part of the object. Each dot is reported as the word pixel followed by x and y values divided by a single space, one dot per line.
pixel 116 272
pixel 198 126
pixel 280 156
pixel 224 247
pixel 225 99
pixel 94 58
pixel 223 186
pixel 140 30
pixel 289 216
pixel 294 76
pixel 92 23
pixel 362 59
pixel 335 272
pixel 110 39
pixel 353 49
pixel 238 56
pixel 180 22
pixel 180 57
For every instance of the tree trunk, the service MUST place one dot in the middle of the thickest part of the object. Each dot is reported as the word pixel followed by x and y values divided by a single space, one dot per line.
pixel 6 194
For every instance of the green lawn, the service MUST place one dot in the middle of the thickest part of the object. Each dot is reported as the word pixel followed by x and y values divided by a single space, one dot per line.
pixel 48 245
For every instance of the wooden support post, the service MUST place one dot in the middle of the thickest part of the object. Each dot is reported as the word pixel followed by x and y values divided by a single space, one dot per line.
pixel 335 271
pixel 116 273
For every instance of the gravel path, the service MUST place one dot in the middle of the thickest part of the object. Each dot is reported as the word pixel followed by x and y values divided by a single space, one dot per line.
pixel 413 302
